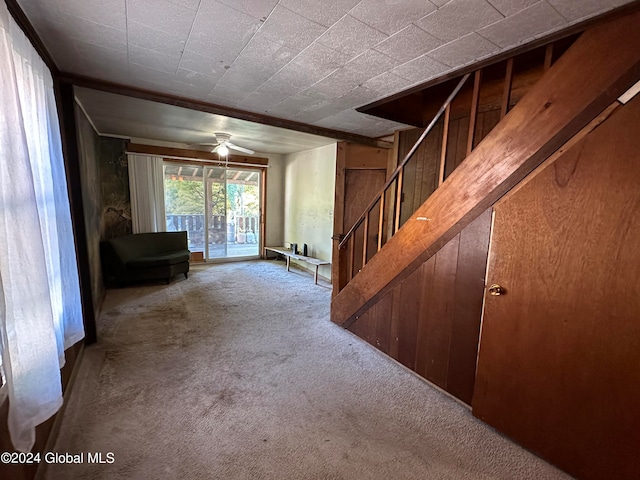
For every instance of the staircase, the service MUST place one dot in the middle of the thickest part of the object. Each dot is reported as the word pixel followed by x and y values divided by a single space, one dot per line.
pixel 495 126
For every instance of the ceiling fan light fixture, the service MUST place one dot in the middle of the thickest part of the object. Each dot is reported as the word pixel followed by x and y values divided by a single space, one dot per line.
pixel 223 151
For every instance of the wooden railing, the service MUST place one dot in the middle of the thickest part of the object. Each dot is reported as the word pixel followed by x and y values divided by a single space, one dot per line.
pixel 392 186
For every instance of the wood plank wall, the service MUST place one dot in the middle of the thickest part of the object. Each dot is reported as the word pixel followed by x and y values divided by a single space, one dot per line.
pixel 420 175
pixel 430 322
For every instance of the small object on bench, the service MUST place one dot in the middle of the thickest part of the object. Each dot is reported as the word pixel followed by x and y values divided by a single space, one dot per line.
pixel 146 256
pixel 289 254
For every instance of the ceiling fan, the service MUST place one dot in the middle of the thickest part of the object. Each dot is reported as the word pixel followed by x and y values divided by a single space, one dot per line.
pixel 222 145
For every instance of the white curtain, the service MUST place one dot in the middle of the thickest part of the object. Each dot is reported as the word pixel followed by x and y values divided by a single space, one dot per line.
pixel 40 310
pixel 146 182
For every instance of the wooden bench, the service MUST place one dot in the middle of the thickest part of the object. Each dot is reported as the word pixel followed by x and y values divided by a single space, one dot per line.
pixel 288 254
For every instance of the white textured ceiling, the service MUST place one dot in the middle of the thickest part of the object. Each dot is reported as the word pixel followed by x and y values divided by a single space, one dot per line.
pixel 120 116
pixel 311 61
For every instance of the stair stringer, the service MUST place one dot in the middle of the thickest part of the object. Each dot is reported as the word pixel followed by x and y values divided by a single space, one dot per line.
pixel 553 111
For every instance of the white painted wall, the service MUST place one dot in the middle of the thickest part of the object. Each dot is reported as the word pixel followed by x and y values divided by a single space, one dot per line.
pixel 308 201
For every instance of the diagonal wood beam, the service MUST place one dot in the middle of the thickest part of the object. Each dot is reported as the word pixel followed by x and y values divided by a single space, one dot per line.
pixel 579 86
pixel 202 106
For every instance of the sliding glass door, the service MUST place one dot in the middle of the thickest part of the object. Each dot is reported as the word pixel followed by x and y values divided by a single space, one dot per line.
pixel 219 207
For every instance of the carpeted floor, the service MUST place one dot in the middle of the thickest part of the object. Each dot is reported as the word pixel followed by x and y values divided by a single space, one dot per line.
pixel 237 373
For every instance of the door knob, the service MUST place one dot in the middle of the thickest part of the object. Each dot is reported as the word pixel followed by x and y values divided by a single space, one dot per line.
pixel 496 290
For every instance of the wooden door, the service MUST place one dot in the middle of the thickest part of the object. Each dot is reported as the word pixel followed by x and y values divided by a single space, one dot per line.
pixel 361 186
pixel 360 173
pixel 559 360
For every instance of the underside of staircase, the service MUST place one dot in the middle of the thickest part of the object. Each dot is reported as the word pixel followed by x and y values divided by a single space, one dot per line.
pixel 420 267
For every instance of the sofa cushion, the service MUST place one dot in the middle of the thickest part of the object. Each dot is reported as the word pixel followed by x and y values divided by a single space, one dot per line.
pixel 159 260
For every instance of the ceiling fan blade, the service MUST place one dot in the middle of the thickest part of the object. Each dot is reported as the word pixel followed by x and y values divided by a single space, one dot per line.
pixel 240 149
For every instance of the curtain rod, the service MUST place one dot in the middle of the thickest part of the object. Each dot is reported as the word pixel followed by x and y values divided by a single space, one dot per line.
pixel 191 159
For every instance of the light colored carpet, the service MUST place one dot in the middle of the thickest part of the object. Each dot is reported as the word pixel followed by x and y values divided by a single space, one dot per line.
pixel 237 373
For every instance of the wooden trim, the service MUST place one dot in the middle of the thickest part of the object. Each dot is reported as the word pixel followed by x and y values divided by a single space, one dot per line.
pixel 183 153
pixel 362 157
pixel 339 271
pixel 579 27
pixel 352 255
pixel 548 57
pixel 71 155
pixel 381 221
pixel 445 141
pixel 475 99
pixel 366 238
pixel 201 106
pixel 557 107
pixel 506 93
pixel 263 211
pixel 396 220
pixel 25 25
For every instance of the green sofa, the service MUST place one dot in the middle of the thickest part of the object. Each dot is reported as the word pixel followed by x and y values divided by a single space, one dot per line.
pixel 145 256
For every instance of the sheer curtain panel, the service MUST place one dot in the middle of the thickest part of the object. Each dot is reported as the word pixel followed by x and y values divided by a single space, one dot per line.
pixel 146 182
pixel 40 311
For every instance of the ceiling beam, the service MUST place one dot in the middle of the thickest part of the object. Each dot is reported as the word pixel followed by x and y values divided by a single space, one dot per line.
pixel 198 105
pixel 193 154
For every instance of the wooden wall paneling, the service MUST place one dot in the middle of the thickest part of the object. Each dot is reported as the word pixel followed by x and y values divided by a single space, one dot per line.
pixel 559 355
pixel 491 118
pixel 548 57
pixel 365 326
pixel 560 46
pixel 394 329
pixel 381 222
pixel 408 306
pixel 362 157
pixel 383 323
pixel 467 310
pixel 398 200
pixel 555 109
pixel 389 213
pixel 360 172
pixel 374 229
pixel 365 238
pixel 425 318
pixel 421 172
pixel 440 317
pixel 408 190
pixel 351 271
pixel 390 195
pixel 527 70
pixel 508 83
pixel 431 153
pixel 457 147
pixel 360 187
pixel 473 114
